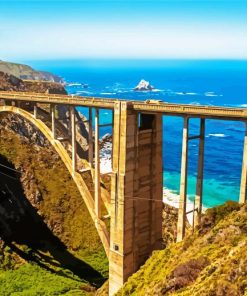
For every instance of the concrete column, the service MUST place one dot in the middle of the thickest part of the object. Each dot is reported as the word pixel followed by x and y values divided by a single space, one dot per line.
pixel 97 197
pixel 73 137
pixel 199 184
pixel 53 125
pixel 136 193
pixel 35 111
pixel 183 183
pixel 90 138
pixel 243 186
pixel 69 124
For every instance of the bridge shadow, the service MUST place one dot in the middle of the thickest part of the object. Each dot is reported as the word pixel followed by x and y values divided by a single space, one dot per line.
pixel 24 231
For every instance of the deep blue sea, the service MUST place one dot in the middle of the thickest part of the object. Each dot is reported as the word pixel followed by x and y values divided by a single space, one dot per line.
pixel 207 82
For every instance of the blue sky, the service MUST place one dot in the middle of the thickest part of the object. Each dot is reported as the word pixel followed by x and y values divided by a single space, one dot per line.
pixel 123 29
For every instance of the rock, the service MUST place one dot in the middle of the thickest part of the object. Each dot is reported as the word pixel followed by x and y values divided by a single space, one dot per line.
pixel 107 137
pixel 144 85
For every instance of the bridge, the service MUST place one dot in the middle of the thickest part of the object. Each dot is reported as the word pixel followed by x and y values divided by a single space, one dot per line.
pixel 134 204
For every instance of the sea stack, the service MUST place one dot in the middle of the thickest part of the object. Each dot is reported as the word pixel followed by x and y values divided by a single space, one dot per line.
pixel 144 85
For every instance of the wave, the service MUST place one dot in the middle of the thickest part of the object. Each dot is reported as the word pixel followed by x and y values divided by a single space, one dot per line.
pixel 217 135
pixel 83 92
pixel 108 93
pixel 172 198
pixel 157 90
pixel 186 93
pixel 74 84
pixel 243 105
pixel 211 94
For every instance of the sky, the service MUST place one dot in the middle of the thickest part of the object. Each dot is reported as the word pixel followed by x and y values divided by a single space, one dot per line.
pixel 153 29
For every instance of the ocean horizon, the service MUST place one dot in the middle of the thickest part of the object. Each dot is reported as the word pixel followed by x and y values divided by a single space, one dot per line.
pixel 196 82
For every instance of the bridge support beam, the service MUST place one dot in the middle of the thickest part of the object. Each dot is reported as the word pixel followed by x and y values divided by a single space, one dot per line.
pixel 199 184
pixel 35 111
pixel 53 120
pixel 183 183
pixel 73 138
pixel 90 137
pixel 97 193
pixel 136 194
pixel 243 186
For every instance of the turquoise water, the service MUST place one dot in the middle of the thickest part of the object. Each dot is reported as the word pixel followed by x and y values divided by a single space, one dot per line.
pixel 222 83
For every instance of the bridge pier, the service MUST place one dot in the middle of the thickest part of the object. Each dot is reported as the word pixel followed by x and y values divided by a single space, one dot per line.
pixel 199 184
pixel 73 138
pixel 183 179
pixel 90 137
pixel 136 194
pixel 35 111
pixel 97 194
pixel 53 120
pixel 183 183
pixel 243 186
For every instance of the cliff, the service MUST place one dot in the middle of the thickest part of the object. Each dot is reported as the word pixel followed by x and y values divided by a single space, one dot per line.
pixel 9 82
pixel 27 73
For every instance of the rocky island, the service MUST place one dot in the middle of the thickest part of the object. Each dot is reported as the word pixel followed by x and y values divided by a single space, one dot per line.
pixel 144 85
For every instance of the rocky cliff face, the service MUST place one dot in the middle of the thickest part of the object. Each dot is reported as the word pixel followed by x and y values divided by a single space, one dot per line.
pixel 26 72
pixel 9 82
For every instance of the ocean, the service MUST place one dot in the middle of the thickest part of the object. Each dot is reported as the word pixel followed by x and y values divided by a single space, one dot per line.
pixel 198 82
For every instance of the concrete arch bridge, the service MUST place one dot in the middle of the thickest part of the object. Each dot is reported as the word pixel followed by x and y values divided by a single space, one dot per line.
pixel 134 204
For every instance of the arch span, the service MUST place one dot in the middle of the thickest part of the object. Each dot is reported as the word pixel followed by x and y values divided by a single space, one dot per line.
pixel 81 185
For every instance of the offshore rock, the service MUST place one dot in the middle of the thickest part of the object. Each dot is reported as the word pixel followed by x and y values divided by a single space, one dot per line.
pixel 144 85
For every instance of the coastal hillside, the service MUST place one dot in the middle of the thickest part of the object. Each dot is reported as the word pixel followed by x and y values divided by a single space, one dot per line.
pixel 48 241
pixel 9 82
pixel 28 73
pixel 212 261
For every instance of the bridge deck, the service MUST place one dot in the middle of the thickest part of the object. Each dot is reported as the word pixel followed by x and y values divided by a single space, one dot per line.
pixel 151 107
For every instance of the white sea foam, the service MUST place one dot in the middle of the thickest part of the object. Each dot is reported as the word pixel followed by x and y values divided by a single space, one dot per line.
pixel 74 84
pixel 217 135
pixel 83 92
pixel 157 90
pixel 186 93
pixel 107 93
pixel 171 198
pixel 210 94
pixel 105 165
pixel 191 94
pixel 105 158
pixel 243 105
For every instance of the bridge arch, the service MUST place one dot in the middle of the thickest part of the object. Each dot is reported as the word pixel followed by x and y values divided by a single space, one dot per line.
pixel 80 183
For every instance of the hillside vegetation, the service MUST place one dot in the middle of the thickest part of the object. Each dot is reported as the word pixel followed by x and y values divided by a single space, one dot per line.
pixel 26 72
pixel 48 242
pixel 212 261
